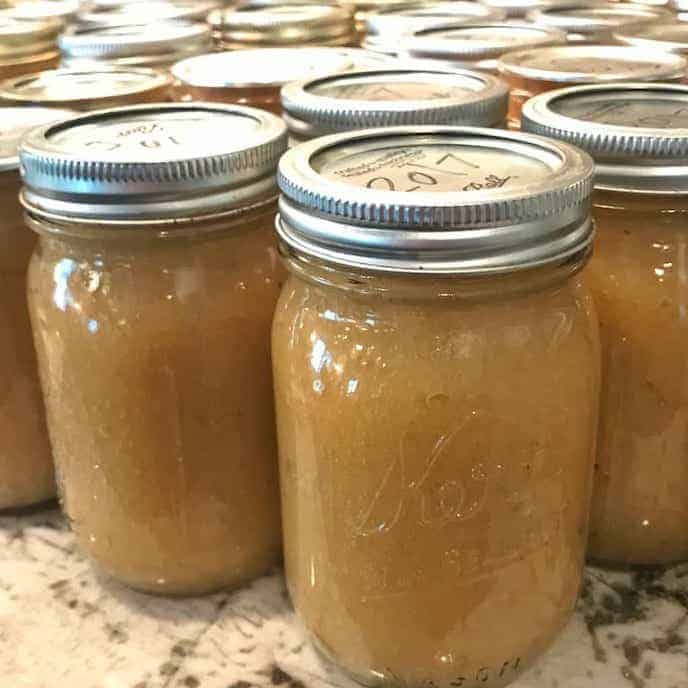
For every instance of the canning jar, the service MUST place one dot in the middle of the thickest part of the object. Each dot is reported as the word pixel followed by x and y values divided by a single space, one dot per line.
pixel 104 87
pixel 638 135
pixel 477 45
pixel 595 22
pixel 88 47
pixel 253 77
pixel 26 465
pixel 436 365
pixel 388 97
pixel 529 72
pixel 283 25
pixel 670 37
pixel 151 294
pixel 27 46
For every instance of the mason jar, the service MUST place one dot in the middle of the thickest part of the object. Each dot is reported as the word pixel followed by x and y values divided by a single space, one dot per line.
pixel 529 72
pixel 151 295
pixel 27 46
pixel 436 365
pixel 26 464
pixel 90 89
pixel 253 77
pixel 638 135
pixel 387 97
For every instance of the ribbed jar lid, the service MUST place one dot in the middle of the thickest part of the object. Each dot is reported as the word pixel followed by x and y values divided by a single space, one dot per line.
pixel 16 123
pixel 393 97
pixel 637 133
pixel 23 36
pixel 670 37
pixel 287 24
pixel 436 200
pixel 152 162
pixel 580 64
pixel 134 40
pixel 260 67
pixel 597 16
pixel 402 21
pixel 479 41
pixel 146 12
pixel 85 90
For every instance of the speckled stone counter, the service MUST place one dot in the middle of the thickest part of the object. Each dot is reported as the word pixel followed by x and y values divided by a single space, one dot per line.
pixel 61 626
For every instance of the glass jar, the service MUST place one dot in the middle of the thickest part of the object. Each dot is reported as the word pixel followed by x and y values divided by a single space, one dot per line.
pixel 362 99
pixel 133 46
pixel 26 464
pixel 87 90
pixel 253 77
pixel 530 72
pixel 638 134
pixel 596 22
pixel 478 45
pixel 670 37
pixel 151 294
pixel 281 26
pixel 431 348
pixel 27 46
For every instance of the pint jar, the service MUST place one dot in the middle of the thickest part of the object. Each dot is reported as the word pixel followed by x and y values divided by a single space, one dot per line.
pixel 26 464
pixel 638 135
pixel 151 294
pixel 436 365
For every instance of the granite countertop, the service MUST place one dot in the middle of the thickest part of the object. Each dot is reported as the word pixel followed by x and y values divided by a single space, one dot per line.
pixel 61 626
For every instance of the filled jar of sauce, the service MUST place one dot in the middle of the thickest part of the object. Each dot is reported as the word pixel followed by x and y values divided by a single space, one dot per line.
pixel 27 46
pixel 87 90
pixel 596 22
pixel 151 294
pixel 432 347
pixel 388 97
pixel 133 46
pixel 529 72
pixel 638 135
pixel 26 464
pixel 254 77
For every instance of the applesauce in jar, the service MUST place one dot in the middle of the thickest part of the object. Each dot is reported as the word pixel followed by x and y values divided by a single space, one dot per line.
pixel 151 295
pixel 436 366
pixel 638 135
pixel 26 465
pixel 529 72
pixel 392 96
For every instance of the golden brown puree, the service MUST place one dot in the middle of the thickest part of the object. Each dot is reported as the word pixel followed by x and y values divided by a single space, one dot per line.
pixel 436 442
pixel 155 360
pixel 639 277
pixel 26 466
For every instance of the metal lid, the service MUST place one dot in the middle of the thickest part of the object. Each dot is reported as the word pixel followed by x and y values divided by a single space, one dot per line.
pixel 596 17
pixel 519 8
pixel 173 37
pixel 147 12
pixel 84 90
pixel 21 36
pixel 436 200
pixel 479 41
pixel 63 10
pixel 637 133
pixel 260 67
pixel 16 123
pixel 593 63
pixel 382 98
pixel 288 24
pixel 670 37
pixel 402 21
pixel 152 162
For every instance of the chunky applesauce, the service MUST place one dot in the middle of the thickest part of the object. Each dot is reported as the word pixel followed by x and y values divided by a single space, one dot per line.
pixel 152 325
pixel 436 395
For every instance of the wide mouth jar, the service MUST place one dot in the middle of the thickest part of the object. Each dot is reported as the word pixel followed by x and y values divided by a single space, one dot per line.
pixel 151 164
pixel 672 38
pixel 87 90
pixel 478 45
pixel 637 133
pixel 254 76
pixel 596 22
pixel 134 45
pixel 283 25
pixel 435 201
pixel 391 97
